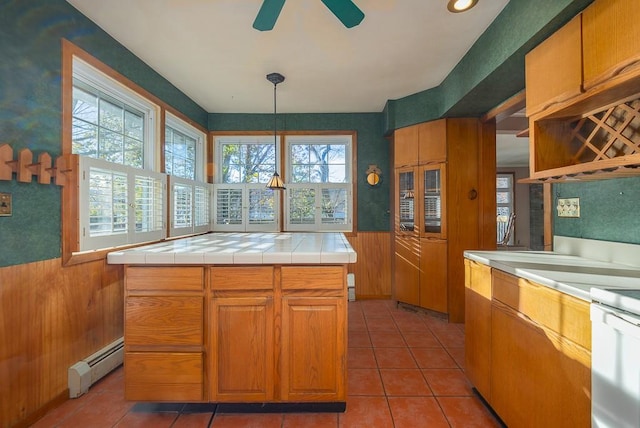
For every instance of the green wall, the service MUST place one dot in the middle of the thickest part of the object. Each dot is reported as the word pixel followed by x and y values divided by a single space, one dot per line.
pixel 609 210
pixel 30 105
pixel 373 202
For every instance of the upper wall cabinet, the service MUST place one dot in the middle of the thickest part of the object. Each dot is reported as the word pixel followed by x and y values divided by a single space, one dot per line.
pixel 583 96
pixel 611 40
pixel 421 144
pixel 554 68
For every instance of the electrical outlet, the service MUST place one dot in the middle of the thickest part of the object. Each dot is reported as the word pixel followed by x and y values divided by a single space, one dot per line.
pixel 568 207
pixel 6 208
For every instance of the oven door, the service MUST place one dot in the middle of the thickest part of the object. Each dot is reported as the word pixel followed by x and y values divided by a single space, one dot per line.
pixel 615 368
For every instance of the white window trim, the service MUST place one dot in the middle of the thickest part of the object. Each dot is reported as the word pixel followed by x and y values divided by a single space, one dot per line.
pixel 88 242
pixel 182 126
pixel 243 139
pixel 100 81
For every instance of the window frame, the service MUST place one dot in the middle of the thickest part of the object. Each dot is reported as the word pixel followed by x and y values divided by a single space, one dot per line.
pixel 174 122
pixel 511 205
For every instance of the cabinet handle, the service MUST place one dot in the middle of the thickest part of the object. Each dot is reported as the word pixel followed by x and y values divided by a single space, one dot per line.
pixel 473 194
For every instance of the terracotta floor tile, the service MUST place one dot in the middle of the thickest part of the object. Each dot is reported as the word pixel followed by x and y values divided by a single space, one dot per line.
pixel 104 410
pixel 193 420
pixel 404 382
pixel 247 420
pixel 381 324
pixel 361 358
pixel 359 339
pixel 424 339
pixel 448 382
pixel 375 307
pixel 310 420
pixel 394 358
pixel 57 415
pixel 114 381
pixel 357 324
pixel 412 412
pixel 366 412
pixel 433 358
pixel 364 382
pixel 144 420
pixel 467 412
pixel 458 356
pixel 450 337
pixel 387 339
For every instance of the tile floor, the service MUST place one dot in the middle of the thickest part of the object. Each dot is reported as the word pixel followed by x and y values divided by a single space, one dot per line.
pixel 405 369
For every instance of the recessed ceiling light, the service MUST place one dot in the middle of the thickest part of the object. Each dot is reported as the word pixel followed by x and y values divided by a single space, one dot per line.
pixel 456 6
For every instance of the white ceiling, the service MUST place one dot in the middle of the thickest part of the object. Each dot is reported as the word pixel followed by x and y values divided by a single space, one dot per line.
pixel 209 50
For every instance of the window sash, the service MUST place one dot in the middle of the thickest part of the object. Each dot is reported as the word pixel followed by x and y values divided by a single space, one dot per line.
pixel 186 163
pixel 119 205
pixel 318 207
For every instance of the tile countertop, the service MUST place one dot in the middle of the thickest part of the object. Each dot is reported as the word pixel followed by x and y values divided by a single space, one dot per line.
pixel 569 274
pixel 243 248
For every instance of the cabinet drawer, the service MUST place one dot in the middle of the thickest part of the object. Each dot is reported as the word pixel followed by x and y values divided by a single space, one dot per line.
pixel 242 278
pixel 564 314
pixel 162 376
pixel 164 278
pixel 314 277
pixel 163 320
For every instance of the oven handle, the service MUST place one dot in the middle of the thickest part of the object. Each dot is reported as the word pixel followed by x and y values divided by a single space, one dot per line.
pixel 623 322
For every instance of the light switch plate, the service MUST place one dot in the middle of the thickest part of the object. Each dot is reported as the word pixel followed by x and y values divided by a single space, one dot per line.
pixel 568 207
pixel 6 207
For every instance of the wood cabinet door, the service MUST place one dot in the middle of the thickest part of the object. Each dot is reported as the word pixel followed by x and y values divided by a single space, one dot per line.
pixel 406 202
pixel 611 40
pixel 406 275
pixel 478 326
pixel 405 146
pixel 431 200
pixel 242 349
pixel 433 274
pixel 313 348
pixel 538 377
pixel 553 70
pixel 432 137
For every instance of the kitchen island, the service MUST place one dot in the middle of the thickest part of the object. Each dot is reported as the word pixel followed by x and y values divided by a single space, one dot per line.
pixel 237 318
pixel 528 328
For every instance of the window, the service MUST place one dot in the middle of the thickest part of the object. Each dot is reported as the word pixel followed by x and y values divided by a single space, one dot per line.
pixel 189 206
pixel 318 196
pixel 183 149
pixel 121 205
pixel 241 201
pixel 505 205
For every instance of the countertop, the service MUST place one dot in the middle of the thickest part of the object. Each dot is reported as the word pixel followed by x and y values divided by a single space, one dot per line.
pixel 569 274
pixel 243 248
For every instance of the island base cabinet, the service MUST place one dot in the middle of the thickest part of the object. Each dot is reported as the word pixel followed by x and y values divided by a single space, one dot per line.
pixel 313 348
pixel 242 346
pixel 538 378
pixel 164 376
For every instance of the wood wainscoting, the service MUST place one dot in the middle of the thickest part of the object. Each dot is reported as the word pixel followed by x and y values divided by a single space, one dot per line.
pixel 373 269
pixel 50 318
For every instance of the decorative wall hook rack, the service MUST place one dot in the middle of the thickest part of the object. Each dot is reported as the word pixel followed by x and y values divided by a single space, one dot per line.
pixel 25 168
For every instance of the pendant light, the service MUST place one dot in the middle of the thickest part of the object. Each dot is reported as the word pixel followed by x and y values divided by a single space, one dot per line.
pixel 276 182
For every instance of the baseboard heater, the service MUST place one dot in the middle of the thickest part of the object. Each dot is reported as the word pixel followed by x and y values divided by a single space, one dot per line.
pixel 86 372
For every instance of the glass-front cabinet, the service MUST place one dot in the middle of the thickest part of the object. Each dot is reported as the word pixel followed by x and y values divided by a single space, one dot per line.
pixel 433 201
pixel 406 206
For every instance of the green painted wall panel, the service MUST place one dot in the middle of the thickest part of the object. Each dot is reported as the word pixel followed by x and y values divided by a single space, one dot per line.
pixel 373 148
pixel 609 210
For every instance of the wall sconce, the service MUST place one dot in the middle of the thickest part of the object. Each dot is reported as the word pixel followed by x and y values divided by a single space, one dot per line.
pixel 373 175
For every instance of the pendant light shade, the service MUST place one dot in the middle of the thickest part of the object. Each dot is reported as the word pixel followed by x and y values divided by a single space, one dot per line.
pixel 276 182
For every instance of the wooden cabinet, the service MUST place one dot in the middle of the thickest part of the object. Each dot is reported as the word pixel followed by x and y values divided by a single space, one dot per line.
pixel 611 41
pixel 420 144
pixel 527 349
pixel 405 142
pixel 242 349
pixel 164 333
pixel 583 93
pixel 437 212
pixel 554 68
pixel 478 326
pixel 313 353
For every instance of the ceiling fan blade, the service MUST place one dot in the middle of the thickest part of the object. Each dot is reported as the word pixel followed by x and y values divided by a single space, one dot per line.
pixel 346 11
pixel 268 15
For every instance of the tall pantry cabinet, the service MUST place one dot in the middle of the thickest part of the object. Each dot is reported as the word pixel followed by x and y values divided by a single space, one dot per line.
pixel 444 204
